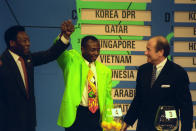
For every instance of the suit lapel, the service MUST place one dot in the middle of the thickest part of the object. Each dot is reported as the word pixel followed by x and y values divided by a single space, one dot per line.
pixel 148 75
pixel 15 71
pixel 84 73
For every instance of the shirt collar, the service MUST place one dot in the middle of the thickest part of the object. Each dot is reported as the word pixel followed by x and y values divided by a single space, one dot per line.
pixel 92 63
pixel 14 55
pixel 162 64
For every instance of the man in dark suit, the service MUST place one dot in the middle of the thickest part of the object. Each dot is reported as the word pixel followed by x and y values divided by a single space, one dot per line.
pixel 17 100
pixel 169 87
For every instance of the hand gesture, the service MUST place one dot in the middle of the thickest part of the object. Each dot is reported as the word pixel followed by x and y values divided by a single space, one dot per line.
pixel 124 127
pixel 67 28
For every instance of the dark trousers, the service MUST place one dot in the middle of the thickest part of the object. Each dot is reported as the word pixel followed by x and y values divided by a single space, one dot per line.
pixel 86 121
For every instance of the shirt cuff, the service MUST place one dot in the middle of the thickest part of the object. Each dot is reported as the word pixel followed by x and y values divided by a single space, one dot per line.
pixel 64 40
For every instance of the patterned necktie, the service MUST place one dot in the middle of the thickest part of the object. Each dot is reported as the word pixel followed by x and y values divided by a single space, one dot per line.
pixel 25 75
pixel 92 93
pixel 153 75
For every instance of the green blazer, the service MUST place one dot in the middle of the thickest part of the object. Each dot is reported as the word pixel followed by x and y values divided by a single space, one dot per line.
pixel 75 72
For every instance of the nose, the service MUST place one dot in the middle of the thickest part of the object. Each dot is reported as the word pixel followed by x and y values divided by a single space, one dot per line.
pixel 28 43
pixel 146 52
pixel 97 52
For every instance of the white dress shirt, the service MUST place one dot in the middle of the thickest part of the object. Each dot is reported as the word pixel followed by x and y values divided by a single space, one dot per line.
pixel 160 67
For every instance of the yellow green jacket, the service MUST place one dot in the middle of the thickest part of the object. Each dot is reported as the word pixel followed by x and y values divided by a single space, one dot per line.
pixel 75 72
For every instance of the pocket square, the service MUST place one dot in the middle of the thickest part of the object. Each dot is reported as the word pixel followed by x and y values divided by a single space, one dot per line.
pixel 165 86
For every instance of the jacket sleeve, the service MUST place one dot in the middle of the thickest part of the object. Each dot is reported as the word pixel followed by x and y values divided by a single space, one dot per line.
pixel 184 100
pixel 131 115
pixel 49 55
pixel 108 101
pixel 3 111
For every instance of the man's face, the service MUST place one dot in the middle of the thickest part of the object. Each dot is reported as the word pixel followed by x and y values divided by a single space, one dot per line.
pixel 22 44
pixel 153 56
pixel 91 51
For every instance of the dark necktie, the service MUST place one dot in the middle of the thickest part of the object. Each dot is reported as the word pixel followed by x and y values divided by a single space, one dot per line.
pixel 25 75
pixel 153 75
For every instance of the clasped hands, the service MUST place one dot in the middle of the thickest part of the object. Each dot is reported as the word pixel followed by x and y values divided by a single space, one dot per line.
pixel 67 28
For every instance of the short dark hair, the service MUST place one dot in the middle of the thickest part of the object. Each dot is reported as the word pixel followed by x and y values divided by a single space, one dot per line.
pixel 11 33
pixel 86 38
pixel 162 44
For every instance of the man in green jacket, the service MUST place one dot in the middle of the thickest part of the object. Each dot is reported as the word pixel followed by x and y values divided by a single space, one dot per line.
pixel 76 112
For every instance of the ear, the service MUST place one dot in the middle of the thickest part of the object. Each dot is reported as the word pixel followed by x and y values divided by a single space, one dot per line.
pixel 161 52
pixel 83 50
pixel 1 63
pixel 12 43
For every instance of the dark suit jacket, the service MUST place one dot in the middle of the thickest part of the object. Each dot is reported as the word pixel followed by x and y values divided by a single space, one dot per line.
pixel 145 104
pixel 17 112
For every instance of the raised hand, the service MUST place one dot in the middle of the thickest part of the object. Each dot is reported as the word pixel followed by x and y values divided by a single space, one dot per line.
pixel 67 28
